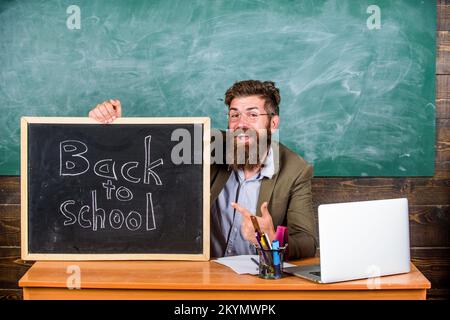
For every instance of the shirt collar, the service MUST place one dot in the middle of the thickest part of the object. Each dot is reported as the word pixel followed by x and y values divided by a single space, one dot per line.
pixel 267 171
pixel 269 167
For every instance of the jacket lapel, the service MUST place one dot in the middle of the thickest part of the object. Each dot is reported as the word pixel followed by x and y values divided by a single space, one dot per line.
pixel 218 180
pixel 267 185
pixel 265 192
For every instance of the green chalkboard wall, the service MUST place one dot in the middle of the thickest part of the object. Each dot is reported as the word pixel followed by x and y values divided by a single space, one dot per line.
pixel 356 76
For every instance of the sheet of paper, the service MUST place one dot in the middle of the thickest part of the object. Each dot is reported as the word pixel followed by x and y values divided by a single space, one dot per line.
pixel 243 264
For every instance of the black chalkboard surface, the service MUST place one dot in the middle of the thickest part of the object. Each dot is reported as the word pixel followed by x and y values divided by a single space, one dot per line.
pixel 127 190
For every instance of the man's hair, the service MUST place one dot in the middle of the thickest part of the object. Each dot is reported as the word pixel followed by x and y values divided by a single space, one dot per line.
pixel 264 89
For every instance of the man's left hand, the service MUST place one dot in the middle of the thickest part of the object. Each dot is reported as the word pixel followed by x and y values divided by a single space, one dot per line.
pixel 265 223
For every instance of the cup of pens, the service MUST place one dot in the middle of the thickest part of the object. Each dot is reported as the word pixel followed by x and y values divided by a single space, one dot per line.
pixel 271 261
pixel 271 255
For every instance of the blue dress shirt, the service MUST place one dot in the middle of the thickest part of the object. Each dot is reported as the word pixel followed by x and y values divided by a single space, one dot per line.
pixel 226 237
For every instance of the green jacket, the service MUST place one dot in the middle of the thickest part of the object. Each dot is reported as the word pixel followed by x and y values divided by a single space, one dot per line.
pixel 289 199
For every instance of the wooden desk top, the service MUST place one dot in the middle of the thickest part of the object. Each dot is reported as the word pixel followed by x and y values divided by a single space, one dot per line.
pixel 189 275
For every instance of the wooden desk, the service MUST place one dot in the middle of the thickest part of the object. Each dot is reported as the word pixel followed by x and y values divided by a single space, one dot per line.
pixel 201 280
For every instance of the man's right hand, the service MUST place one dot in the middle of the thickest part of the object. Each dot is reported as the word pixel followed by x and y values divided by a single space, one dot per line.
pixel 106 112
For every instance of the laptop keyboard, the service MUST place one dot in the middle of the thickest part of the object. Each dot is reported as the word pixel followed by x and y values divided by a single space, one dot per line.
pixel 316 273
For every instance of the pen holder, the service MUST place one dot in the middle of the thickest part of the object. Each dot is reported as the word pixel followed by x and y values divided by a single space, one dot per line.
pixel 270 263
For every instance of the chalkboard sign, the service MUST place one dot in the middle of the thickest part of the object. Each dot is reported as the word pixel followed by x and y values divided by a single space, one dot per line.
pixel 357 77
pixel 134 189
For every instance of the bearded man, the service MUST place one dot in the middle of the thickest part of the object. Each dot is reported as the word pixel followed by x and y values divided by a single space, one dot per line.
pixel 259 176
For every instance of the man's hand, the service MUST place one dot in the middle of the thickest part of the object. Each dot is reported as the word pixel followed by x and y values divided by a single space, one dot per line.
pixel 107 111
pixel 265 223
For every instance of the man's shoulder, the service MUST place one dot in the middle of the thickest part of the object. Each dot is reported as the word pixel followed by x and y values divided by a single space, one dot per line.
pixel 291 163
pixel 291 158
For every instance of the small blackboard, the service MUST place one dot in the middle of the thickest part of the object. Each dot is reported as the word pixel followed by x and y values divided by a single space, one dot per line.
pixel 136 189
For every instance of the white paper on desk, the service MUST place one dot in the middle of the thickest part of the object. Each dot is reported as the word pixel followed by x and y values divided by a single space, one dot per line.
pixel 243 264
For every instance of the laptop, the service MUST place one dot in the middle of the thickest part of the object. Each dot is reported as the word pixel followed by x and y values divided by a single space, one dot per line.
pixel 358 240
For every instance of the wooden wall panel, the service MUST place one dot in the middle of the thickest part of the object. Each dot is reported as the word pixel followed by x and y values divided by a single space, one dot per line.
pixel 442 109
pixel 11 294
pixel 434 263
pixel 10 271
pixel 443 52
pixel 429 226
pixel 443 15
pixel 9 190
pixel 419 191
pixel 9 225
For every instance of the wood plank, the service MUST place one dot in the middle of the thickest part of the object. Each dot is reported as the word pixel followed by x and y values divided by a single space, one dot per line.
pixel 438 294
pixel 442 161
pixel 443 132
pixel 434 263
pixel 418 190
pixel 189 275
pixel 9 225
pixel 10 272
pixel 442 170
pixel 9 190
pixel 118 294
pixel 429 226
pixel 443 15
pixel 11 294
pixel 442 109
pixel 14 294
pixel 443 52
pixel 442 87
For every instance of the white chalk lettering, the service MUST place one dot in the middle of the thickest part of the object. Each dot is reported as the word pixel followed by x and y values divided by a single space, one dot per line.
pixel 116 219
pixel 133 223
pixel 81 219
pixel 150 202
pixel 95 213
pixel 124 194
pixel 149 166
pixel 109 187
pixel 66 213
pixel 105 168
pixel 71 161
pixel 125 171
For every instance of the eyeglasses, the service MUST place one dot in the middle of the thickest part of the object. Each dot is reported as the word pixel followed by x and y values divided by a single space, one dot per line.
pixel 252 116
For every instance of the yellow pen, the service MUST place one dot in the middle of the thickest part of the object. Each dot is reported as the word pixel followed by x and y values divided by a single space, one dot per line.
pixel 262 236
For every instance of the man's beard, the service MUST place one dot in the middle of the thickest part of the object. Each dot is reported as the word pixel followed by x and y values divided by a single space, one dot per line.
pixel 249 155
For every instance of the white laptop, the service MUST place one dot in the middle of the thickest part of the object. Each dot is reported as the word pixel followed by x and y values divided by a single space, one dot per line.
pixel 358 240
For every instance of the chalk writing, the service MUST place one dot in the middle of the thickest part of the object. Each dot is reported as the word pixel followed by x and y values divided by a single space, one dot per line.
pixel 74 161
